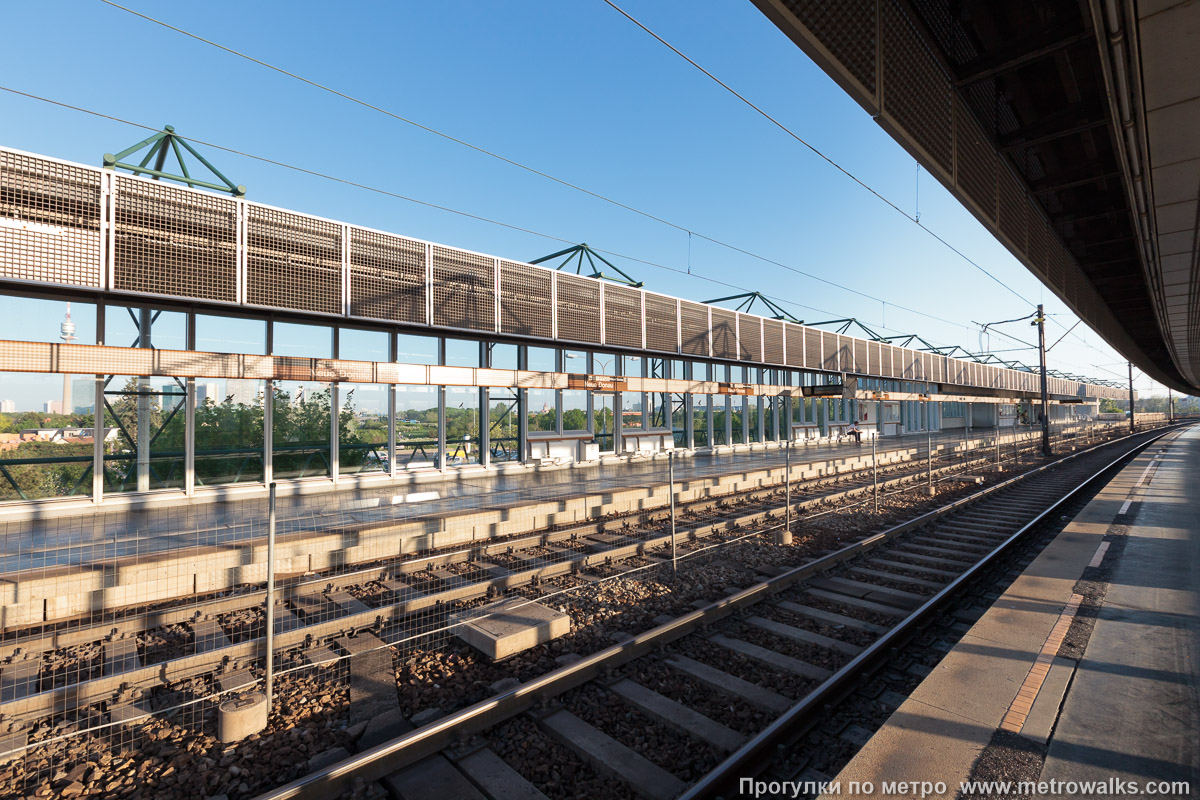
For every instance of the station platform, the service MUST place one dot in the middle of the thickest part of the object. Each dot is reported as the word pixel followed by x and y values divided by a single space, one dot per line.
pixel 57 534
pixel 1085 670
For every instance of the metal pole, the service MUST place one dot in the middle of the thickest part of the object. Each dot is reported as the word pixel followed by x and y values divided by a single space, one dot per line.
pixel 1040 321
pixel 929 462
pixel 671 480
pixel 786 536
pixel 1170 406
pixel 270 595
pixel 875 473
pixel 998 468
pixel 1132 426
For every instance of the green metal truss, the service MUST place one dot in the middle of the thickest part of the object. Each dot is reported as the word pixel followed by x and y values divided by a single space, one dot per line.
pixel 578 253
pixel 159 146
pixel 747 301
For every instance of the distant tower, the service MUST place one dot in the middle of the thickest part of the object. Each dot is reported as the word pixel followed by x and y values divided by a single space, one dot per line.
pixel 67 334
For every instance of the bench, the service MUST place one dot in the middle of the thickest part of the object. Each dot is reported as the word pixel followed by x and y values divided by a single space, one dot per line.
pixel 549 447
pixel 805 432
pixel 652 441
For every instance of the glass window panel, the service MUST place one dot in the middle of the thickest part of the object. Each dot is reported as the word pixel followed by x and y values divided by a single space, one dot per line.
pixel 416 426
pixel 462 353
pixel 300 429
pixel 356 344
pixel 32 429
pixel 25 319
pixel 720 418
pixel 146 452
pixel 229 431
pixel 502 356
pixel 539 359
pixel 541 410
pixel 216 334
pixel 631 366
pixel 574 410
pixel 574 361
pixel 362 428
pixel 699 371
pixel 660 410
pixel 462 426
pixel 305 341
pixel 631 411
pixel 700 420
pixel 603 410
pixel 604 364
pixel 679 418
pixel 503 416
pixel 122 326
pixel 737 418
pixel 413 349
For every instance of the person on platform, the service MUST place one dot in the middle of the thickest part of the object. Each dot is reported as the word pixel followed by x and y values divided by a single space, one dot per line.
pixel 854 431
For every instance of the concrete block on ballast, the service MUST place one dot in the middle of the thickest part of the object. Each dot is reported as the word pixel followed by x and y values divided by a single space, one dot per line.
pixel 511 626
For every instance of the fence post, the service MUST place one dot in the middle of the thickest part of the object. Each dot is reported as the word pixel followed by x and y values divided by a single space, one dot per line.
pixel 875 472
pixel 929 462
pixel 786 536
pixel 270 595
pixel 671 481
pixel 998 467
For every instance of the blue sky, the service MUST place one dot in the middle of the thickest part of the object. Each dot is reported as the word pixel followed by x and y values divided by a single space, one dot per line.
pixel 571 89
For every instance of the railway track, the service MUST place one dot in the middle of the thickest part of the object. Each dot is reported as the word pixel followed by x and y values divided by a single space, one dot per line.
pixel 680 709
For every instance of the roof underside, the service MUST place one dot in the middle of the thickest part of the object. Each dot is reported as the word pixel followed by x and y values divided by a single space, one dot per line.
pixel 1008 105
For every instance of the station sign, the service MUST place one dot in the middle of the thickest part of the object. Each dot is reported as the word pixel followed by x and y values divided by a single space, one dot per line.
pixel 827 390
pixel 598 383
pixel 736 388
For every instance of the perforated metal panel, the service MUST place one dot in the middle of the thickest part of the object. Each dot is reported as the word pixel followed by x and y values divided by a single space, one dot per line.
pixel 1012 207
pixel 724 335
pixel 847 29
pixel 795 344
pixel 845 347
pixel 813 358
pixel 873 358
pixel 525 299
pixel 916 91
pixel 749 337
pixel 861 361
pixel 773 341
pixel 622 316
pixel 173 242
pixel 829 351
pixel 912 364
pixel 975 167
pixel 578 308
pixel 293 261
pixel 387 277
pixel 464 289
pixel 694 322
pixel 51 214
pixel 662 329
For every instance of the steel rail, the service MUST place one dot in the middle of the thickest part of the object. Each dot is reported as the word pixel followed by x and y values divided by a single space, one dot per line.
pixel 388 757
pixel 742 762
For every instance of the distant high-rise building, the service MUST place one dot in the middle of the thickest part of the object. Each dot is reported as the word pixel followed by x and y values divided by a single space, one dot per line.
pixel 52 407
pixel 243 392
pixel 7 407
pixel 83 395
pixel 208 391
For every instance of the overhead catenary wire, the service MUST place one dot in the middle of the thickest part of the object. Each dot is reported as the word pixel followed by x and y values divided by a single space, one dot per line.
pixel 811 147
pixel 598 195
